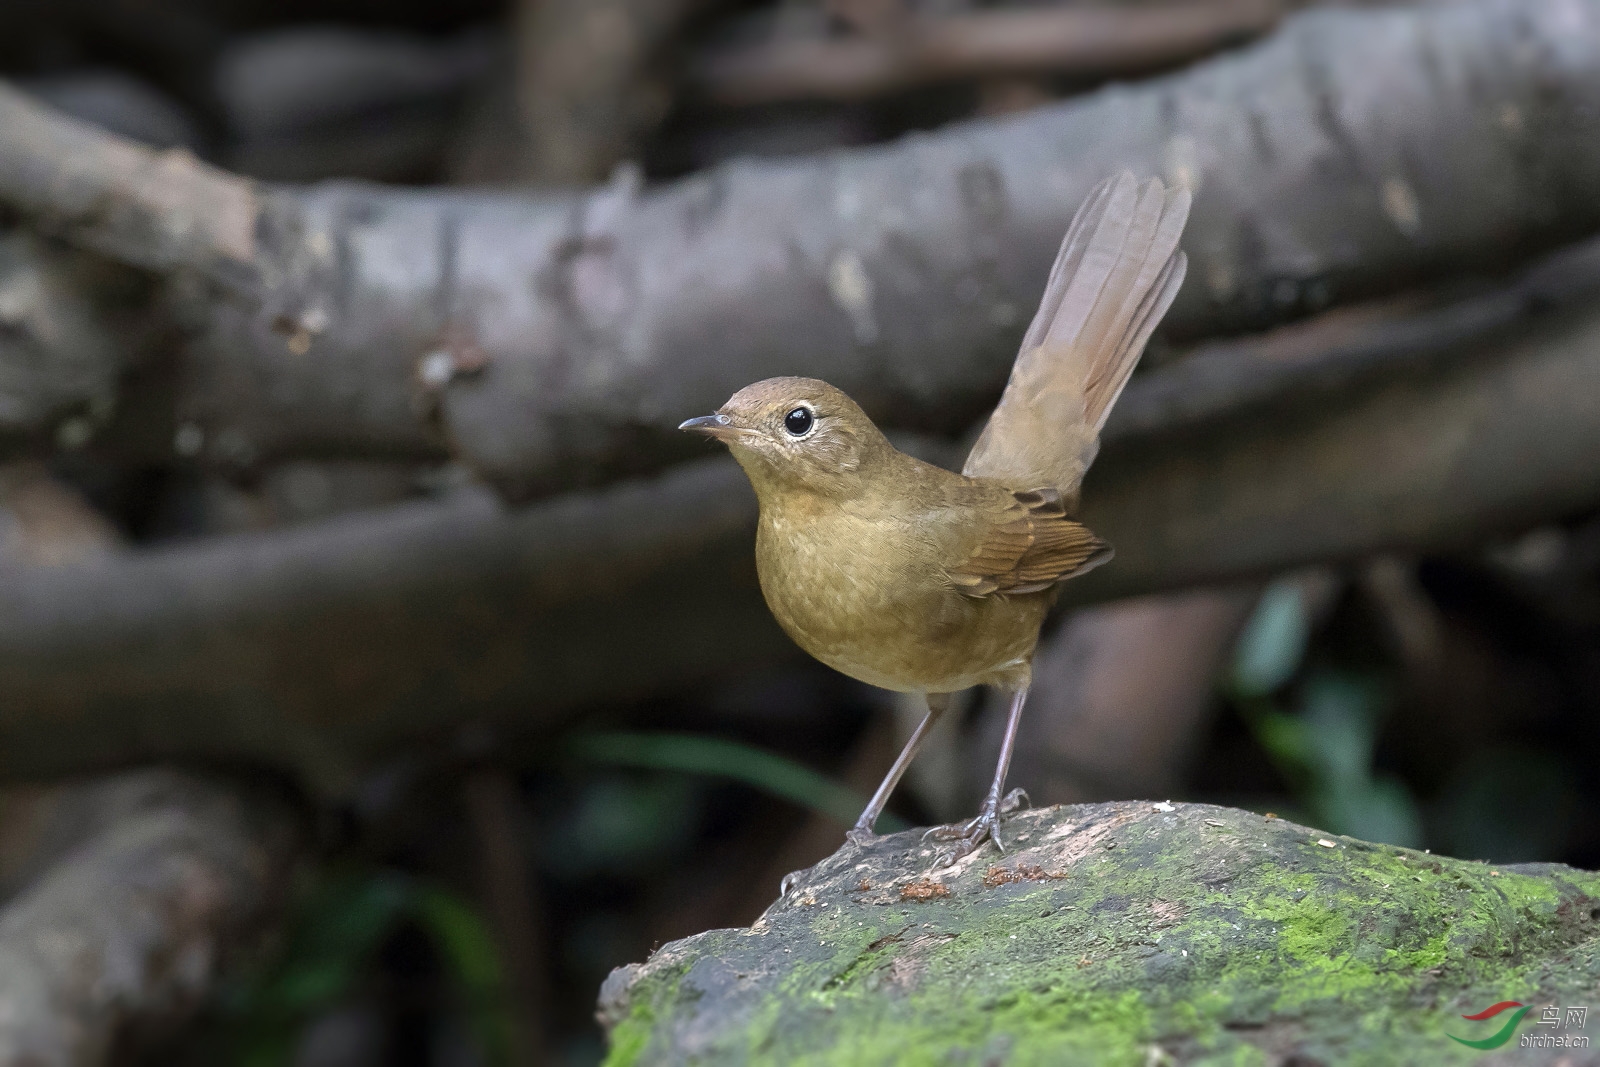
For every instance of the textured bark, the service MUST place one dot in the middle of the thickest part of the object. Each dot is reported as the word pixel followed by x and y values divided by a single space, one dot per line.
pixel 148 882
pixel 69 331
pixel 320 646
pixel 1081 40
pixel 1123 933
pixel 324 645
pixel 551 342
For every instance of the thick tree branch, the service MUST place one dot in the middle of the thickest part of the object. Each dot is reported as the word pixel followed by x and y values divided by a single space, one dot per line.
pixel 161 210
pixel 156 879
pixel 67 337
pixel 320 645
pixel 325 645
pixel 552 342
pixel 585 84
pixel 1084 40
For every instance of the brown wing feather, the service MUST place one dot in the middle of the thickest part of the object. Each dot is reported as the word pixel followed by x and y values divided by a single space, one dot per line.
pixel 1118 271
pixel 1028 546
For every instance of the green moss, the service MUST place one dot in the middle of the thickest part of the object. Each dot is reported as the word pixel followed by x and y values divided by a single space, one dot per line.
pixel 629 1039
pixel 1207 935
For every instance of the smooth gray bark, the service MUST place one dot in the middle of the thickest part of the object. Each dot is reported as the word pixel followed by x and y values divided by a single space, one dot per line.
pixel 148 882
pixel 551 342
pixel 327 645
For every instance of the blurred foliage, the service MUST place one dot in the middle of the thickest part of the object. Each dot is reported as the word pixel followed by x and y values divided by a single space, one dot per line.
pixel 632 803
pixel 620 824
pixel 755 767
pixel 1511 805
pixel 1321 733
pixel 1273 643
pixel 332 948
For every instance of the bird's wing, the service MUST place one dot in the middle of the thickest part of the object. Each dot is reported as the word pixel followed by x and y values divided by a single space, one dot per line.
pixel 1118 271
pixel 1027 545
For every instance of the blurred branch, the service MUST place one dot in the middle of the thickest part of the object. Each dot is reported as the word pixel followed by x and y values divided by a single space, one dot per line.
pixel 585 84
pixel 45 523
pixel 551 342
pixel 322 644
pixel 161 210
pixel 1081 40
pixel 154 880
pixel 496 815
pixel 71 327
pixel 327 644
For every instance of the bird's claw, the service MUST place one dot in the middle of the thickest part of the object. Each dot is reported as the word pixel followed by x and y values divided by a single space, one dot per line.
pixel 1016 800
pixel 861 836
pixel 969 836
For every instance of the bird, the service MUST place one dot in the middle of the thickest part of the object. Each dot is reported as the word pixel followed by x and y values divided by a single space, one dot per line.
pixel 921 580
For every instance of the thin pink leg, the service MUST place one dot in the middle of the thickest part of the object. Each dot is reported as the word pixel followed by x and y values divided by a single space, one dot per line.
pixel 938 703
pixel 969 837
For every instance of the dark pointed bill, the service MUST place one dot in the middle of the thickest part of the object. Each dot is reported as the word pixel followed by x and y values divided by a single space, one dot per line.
pixel 710 425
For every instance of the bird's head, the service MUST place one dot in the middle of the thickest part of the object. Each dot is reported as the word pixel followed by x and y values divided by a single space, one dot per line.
pixel 795 432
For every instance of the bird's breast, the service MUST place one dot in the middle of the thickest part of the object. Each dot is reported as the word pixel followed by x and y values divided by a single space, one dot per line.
pixel 866 594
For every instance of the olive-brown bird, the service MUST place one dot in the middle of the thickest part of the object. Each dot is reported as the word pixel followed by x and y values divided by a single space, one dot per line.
pixel 919 580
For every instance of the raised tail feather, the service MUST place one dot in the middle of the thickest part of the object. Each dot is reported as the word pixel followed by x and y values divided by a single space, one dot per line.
pixel 1118 271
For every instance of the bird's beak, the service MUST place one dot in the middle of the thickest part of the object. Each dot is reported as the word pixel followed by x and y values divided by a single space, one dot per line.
pixel 710 425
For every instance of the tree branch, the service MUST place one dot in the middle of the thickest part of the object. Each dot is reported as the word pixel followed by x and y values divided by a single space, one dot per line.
pixel 1082 40
pixel 553 342
pixel 584 82
pixel 161 210
pixel 157 877
pixel 326 645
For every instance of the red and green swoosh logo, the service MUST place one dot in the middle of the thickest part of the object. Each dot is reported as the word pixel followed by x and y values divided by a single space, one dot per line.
pixel 1503 1035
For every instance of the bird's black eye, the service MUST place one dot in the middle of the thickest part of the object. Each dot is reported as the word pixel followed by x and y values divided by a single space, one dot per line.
pixel 798 422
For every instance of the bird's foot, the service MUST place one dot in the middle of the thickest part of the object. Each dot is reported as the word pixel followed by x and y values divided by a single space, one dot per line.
pixel 861 836
pixel 1016 800
pixel 969 836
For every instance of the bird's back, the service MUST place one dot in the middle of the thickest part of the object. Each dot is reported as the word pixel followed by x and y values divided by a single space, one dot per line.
pixel 1118 271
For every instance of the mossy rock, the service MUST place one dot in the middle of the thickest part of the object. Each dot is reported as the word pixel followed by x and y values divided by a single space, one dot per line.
pixel 1129 933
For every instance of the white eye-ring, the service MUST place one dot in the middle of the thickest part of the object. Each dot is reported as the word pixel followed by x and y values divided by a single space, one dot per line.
pixel 799 422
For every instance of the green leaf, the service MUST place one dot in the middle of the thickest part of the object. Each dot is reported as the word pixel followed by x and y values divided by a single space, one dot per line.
pixel 1273 643
pixel 339 928
pixel 1286 740
pixel 1341 712
pixel 473 965
pixel 693 754
pixel 1373 809
pixel 463 938
pixel 624 823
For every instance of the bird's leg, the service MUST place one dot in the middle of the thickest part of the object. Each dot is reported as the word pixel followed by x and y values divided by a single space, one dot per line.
pixel 969 837
pixel 861 833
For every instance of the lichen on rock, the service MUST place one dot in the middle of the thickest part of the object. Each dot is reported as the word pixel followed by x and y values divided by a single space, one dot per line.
pixel 1125 933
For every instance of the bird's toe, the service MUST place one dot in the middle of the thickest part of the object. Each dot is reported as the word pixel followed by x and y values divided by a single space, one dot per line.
pixel 861 836
pixel 1016 800
pixel 969 837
